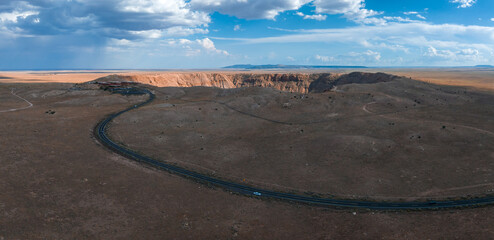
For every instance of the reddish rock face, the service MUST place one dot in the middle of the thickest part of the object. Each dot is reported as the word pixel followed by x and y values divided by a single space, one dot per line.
pixel 290 82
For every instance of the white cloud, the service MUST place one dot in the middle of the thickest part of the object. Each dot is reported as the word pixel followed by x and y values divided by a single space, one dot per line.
pixel 134 24
pixel 123 45
pixel 324 59
pixel 364 57
pixel 339 6
pixel 161 18
pixel 269 9
pixel 208 45
pixel 351 9
pixel 317 17
pixel 14 15
pixel 109 18
pixel 433 52
pixel 412 39
pixel 248 9
pixel 171 12
pixel 418 34
pixel 464 3
pixel 460 55
pixel 469 51
pixel 399 19
pixel 416 14
pixel 177 31
pixel 421 17
pixel 181 47
pixel 148 33
pixel 369 54
pixel 183 31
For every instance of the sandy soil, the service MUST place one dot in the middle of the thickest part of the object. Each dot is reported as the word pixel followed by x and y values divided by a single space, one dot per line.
pixel 52 76
pixel 57 182
pixel 479 78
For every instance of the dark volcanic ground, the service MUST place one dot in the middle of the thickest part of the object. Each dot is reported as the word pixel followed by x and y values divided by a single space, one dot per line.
pixel 393 140
pixel 57 182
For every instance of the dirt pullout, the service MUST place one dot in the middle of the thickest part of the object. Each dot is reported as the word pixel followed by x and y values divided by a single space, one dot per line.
pixel 291 82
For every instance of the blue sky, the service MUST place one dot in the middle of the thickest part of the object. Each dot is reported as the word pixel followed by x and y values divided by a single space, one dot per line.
pixel 166 34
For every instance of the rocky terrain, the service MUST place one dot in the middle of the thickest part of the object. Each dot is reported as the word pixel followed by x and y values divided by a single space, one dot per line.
pixel 290 82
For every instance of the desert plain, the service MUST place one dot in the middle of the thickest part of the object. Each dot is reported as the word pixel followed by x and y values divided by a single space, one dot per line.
pixel 401 135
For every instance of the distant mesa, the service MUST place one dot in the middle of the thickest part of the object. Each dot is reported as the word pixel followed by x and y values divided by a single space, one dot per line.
pixel 484 66
pixel 280 66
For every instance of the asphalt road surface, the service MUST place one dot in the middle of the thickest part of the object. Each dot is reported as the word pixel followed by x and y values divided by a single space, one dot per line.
pixel 101 135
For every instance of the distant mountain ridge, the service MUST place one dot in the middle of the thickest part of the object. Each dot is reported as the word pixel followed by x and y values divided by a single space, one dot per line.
pixel 484 66
pixel 280 66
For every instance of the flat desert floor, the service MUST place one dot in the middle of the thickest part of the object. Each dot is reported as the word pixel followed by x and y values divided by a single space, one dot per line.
pixel 393 141
pixel 481 78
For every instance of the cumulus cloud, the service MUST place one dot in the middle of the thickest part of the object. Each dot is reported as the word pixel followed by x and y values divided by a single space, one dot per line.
pixel 324 59
pixel 417 33
pixel 112 18
pixel 172 26
pixel 469 52
pixel 195 47
pixel 367 56
pixel 433 52
pixel 352 9
pixel 417 14
pixel 268 9
pixel 339 6
pixel 459 55
pixel 132 19
pixel 317 17
pixel 177 31
pixel 464 3
pixel 178 47
pixel 248 9
pixel 399 19
pixel 89 29
pixel 407 38
pixel 163 13
pixel 208 45
pixel 14 15
pixel 364 57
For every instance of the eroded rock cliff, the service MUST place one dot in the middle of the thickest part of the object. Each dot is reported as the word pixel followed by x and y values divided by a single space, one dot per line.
pixel 292 82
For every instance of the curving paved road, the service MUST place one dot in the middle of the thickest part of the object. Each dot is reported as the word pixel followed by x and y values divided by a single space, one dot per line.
pixel 101 135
